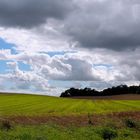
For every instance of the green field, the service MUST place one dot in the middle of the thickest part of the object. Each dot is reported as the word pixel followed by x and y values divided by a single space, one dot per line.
pixel 34 105
pixel 54 132
pixel 31 105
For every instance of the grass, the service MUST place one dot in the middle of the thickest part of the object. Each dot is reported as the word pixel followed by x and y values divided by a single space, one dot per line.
pixel 31 105
pixel 35 105
pixel 55 132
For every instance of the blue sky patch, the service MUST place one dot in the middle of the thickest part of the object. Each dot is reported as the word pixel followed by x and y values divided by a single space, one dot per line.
pixel 4 67
pixel 53 53
pixel 24 67
pixel 5 45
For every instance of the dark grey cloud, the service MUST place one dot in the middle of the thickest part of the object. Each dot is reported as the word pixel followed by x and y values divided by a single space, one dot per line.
pixel 30 13
pixel 107 24
pixel 129 65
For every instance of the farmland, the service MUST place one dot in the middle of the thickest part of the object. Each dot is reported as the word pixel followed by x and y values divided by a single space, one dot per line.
pixel 36 117
pixel 30 105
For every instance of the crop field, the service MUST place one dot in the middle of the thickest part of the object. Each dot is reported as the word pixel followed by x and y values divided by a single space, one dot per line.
pixel 36 117
pixel 31 105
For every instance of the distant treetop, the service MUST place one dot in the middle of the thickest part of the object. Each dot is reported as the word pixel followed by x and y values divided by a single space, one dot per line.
pixel 118 90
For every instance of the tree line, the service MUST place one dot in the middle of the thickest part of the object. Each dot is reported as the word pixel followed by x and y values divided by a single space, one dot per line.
pixel 118 90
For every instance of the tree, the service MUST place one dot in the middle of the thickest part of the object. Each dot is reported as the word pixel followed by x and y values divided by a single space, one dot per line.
pixel 118 90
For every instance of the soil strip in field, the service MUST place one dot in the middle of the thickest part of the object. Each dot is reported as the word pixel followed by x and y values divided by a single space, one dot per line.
pixel 83 120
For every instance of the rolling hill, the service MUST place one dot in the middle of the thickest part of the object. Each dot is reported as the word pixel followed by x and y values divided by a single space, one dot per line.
pixel 36 117
pixel 37 105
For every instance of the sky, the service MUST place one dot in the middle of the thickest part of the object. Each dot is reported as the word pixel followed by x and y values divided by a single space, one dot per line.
pixel 48 46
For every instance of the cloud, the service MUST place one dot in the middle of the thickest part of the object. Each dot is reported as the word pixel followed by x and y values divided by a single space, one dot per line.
pixel 80 66
pixel 101 68
pixel 87 24
pixel 43 39
pixel 65 67
pixel 31 13
pixel 4 53
pixel 98 41
pixel 129 67
pixel 24 80
pixel 107 24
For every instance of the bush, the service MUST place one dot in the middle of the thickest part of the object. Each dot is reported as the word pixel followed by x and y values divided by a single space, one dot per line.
pixel 108 133
pixel 130 123
pixel 6 125
pixel 127 133
pixel 89 119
